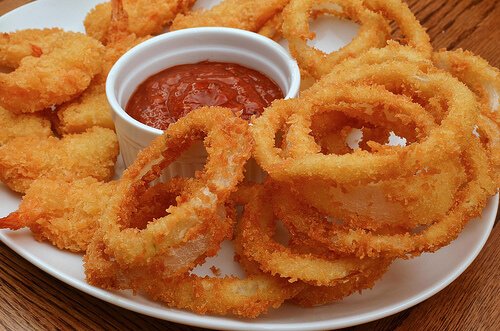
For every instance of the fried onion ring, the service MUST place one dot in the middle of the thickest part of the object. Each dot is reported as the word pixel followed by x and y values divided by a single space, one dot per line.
pixel 360 166
pixel 484 81
pixel 469 202
pixel 373 32
pixel 312 296
pixel 258 229
pixel 415 35
pixel 188 222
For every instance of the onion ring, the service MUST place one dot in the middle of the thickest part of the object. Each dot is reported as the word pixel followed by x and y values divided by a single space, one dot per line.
pixel 187 222
pixel 373 32
pixel 484 81
pixel 397 10
pixel 257 231
pixel 470 200
pixel 360 166
pixel 312 296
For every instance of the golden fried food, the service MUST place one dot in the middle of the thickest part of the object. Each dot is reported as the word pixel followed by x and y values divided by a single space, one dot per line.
pixel 31 42
pixel 373 32
pixel 413 33
pixel 88 110
pixel 92 153
pixel 241 14
pixel 193 229
pixel 334 211
pixel 61 212
pixel 22 125
pixel 60 66
pixel 484 80
pixel 272 28
pixel 66 213
pixel 92 108
pixel 145 17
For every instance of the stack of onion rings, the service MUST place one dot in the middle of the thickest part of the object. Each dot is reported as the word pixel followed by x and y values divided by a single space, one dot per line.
pixel 376 191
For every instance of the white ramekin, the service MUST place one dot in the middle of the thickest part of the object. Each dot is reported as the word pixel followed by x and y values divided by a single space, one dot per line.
pixel 191 46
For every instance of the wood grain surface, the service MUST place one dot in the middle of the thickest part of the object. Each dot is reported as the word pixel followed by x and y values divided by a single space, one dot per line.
pixel 32 300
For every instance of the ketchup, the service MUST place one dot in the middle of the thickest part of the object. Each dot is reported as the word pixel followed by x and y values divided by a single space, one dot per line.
pixel 172 93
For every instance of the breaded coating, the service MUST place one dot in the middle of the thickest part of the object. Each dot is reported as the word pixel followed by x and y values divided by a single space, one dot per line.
pixel 31 42
pixel 22 125
pixel 64 213
pixel 92 108
pixel 273 27
pixel 146 17
pixel 92 153
pixel 60 66
pixel 241 14
pixel 88 110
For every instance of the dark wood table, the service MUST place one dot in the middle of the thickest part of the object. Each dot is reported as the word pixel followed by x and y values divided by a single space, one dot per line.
pixel 31 299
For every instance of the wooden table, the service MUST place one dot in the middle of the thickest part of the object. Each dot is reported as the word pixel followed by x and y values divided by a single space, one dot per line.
pixel 31 299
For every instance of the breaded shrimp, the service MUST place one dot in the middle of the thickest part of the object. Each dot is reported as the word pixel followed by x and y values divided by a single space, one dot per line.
pixel 22 125
pixel 67 213
pixel 64 213
pixel 145 17
pixel 88 110
pixel 92 153
pixel 242 14
pixel 51 67
pixel 92 108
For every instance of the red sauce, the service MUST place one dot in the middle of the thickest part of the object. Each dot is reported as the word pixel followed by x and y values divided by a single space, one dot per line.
pixel 172 93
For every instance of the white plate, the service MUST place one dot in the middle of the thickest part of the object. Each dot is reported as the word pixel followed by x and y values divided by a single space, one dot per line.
pixel 404 285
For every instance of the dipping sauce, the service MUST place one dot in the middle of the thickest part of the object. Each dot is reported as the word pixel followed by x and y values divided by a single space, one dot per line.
pixel 172 93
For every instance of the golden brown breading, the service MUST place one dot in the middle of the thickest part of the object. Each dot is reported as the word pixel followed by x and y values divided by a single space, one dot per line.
pixel 242 14
pixel 59 67
pixel 146 17
pixel 92 108
pixel 22 125
pixel 67 213
pixel 88 110
pixel 30 42
pixel 92 153
pixel 64 213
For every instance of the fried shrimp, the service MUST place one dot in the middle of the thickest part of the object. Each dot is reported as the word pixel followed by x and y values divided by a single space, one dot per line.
pixel 64 213
pixel 92 108
pixel 241 14
pixel 88 110
pixel 32 42
pixel 146 17
pixel 92 153
pixel 22 125
pixel 50 67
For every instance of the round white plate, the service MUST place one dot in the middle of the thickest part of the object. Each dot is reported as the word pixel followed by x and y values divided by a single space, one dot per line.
pixel 404 285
